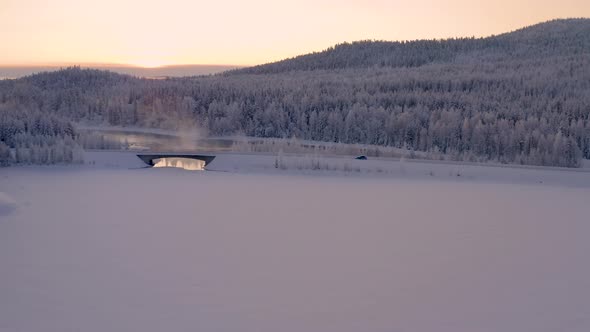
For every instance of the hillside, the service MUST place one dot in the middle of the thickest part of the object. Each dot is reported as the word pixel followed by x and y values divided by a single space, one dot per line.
pixel 554 38
pixel 521 97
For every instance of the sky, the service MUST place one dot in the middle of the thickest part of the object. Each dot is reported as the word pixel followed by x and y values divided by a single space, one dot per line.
pixel 155 33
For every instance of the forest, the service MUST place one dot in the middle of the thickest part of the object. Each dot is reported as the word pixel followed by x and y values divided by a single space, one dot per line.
pixel 521 97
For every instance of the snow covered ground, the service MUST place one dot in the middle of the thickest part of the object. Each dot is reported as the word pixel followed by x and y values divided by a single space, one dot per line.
pixel 315 245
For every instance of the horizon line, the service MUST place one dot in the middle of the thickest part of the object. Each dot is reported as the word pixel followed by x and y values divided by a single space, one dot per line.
pixel 62 64
pixel 109 64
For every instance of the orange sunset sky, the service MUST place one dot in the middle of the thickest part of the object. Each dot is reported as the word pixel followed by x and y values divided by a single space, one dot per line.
pixel 155 33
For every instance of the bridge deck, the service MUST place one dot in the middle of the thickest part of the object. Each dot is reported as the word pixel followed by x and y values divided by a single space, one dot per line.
pixel 149 158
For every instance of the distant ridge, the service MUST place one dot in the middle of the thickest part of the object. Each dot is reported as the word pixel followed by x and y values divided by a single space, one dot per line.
pixel 557 37
pixel 12 72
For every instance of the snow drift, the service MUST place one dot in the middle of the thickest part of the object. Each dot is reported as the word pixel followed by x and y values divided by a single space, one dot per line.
pixel 7 204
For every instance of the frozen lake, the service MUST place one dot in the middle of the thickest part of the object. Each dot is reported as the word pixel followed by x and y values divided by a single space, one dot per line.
pixel 118 249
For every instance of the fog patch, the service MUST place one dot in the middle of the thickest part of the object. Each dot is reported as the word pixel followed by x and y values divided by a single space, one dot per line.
pixel 184 163
pixel 7 204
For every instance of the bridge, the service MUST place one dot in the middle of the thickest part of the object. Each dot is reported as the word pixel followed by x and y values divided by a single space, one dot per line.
pixel 152 159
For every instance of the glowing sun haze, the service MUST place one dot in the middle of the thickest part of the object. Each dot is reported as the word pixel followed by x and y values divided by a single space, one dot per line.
pixel 155 33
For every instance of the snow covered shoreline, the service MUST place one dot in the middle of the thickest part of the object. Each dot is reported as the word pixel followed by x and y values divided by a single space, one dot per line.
pixel 381 168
